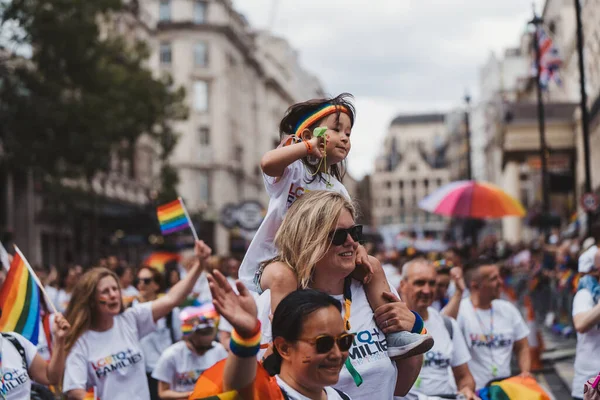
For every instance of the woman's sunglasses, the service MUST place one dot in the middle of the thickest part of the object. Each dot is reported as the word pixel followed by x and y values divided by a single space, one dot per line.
pixel 338 237
pixel 146 281
pixel 324 343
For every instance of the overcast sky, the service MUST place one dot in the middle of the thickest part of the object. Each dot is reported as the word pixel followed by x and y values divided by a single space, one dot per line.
pixel 395 56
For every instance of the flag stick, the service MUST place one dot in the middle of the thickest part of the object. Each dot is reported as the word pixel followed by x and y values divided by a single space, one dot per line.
pixel 37 280
pixel 187 215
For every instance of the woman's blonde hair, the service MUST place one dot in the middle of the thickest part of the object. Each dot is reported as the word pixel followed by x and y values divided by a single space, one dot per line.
pixel 303 238
pixel 82 306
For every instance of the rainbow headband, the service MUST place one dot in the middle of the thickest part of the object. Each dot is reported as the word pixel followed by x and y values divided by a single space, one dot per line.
pixel 319 114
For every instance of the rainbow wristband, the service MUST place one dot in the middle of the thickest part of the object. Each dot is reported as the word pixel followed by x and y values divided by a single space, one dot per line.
pixel 245 347
pixel 419 326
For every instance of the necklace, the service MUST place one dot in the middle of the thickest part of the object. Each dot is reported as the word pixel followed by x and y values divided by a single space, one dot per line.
pixel 491 335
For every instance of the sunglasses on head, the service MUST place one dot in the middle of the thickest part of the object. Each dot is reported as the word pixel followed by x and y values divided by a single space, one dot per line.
pixel 146 281
pixel 338 237
pixel 324 343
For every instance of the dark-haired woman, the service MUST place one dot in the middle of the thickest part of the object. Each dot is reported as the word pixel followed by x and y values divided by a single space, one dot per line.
pixel 310 342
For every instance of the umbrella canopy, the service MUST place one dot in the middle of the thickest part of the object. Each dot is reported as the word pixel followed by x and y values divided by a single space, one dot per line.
pixel 160 258
pixel 472 199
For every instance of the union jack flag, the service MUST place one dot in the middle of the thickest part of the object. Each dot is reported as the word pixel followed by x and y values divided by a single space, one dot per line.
pixel 550 60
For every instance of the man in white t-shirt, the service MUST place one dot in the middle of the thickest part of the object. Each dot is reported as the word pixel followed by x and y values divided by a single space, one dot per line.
pixel 586 319
pixel 445 370
pixel 493 328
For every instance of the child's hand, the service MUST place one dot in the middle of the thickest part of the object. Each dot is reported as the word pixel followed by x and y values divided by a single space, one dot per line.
pixel 364 270
pixel 317 145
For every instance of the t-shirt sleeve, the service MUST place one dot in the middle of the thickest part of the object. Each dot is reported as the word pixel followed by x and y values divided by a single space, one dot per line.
pixel 176 324
pixel 275 186
pixel 164 369
pixel 461 352
pixel 75 370
pixel 141 316
pixel 30 348
pixel 521 329
pixel 582 302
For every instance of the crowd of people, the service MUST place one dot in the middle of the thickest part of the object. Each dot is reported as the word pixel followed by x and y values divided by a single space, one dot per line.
pixel 317 313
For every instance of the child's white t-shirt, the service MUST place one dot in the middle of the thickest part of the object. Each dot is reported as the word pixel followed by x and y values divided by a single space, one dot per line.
pixel 491 341
pixel 436 375
pixel 293 394
pixel 295 181
pixel 587 362
pixel 112 360
pixel 180 367
pixel 16 379
pixel 368 353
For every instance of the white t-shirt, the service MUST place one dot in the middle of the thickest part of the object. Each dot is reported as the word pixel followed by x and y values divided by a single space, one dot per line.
pixel 16 379
pixel 112 360
pixel 180 367
pixel 368 354
pixel 156 342
pixel 61 300
pixel 490 344
pixel 436 375
pixel 294 182
pixel 130 291
pixel 587 362
pixel 332 394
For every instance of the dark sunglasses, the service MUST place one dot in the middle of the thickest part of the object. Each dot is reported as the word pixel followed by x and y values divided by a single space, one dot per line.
pixel 324 343
pixel 146 281
pixel 338 237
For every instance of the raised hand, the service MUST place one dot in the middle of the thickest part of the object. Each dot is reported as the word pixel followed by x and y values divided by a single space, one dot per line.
pixel 60 327
pixel 456 274
pixel 240 310
pixel 202 250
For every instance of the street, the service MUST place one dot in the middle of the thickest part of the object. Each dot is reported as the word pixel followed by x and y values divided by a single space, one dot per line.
pixel 558 358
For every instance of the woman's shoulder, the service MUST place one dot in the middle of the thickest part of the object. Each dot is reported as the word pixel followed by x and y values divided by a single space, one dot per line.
pixel 278 273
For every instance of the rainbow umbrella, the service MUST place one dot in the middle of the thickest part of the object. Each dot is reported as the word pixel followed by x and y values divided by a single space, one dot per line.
pixel 160 258
pixel 472 199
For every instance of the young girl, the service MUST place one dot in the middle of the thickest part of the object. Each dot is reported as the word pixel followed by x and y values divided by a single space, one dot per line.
pixel 313 158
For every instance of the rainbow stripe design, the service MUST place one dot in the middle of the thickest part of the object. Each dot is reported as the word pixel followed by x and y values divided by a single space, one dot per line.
pixel 472 199
pixel 172 217
pixel 158 259
pixel 202 316
pixel 316 116
pixel 20 301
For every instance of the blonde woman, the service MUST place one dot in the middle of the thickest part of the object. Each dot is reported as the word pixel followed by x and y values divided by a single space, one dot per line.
pixel 317 244
pixel 104 343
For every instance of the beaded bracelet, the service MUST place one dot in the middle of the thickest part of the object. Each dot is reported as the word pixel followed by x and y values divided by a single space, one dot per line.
pixel 419 326
pixel 245 347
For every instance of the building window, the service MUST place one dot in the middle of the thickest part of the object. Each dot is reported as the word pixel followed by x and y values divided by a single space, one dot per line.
pixel 238 153
pixel 439 182
pixel 401 185
pixel 204 186
pixel 164 11
pixel 388 202
pixel 401 201
pixel 204 136
pixel 200 95
pixel 426 183
pixel 414 184
pixel 412 167
pixel 199 12
pixel 200 54
pixel 388 185
pixel 165 53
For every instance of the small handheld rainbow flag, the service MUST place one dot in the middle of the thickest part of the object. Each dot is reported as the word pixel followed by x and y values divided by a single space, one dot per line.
pixel 20 300
pixel 173 217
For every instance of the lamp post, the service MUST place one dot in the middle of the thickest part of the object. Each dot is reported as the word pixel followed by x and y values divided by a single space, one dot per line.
pixel 536 22
pixel 585 128
pixel 468 135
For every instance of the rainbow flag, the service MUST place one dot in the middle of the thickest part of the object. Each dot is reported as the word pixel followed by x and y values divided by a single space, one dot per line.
pixel 20 300
pixel 160 258
pixel 172 217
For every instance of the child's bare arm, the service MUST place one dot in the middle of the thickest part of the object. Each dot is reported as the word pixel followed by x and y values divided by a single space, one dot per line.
pixel 281 279
pixel 275 161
